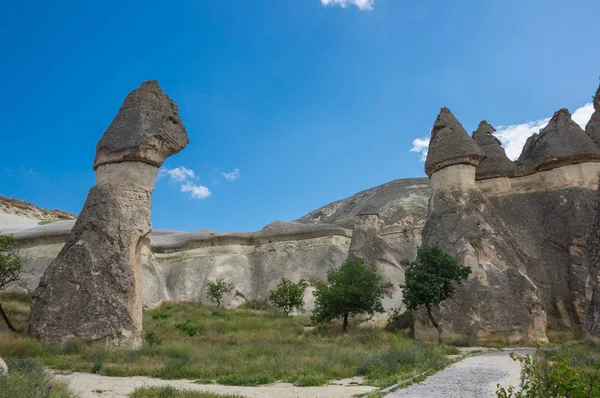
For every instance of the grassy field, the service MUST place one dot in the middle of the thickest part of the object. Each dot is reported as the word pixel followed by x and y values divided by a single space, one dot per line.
pixel 169 392
pixel 234 347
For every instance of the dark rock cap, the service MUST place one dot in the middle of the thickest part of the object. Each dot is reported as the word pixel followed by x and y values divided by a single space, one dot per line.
pixel 561 142
pixel 496 163
pixel 368 210
pixel 450 144
pixel 592 128
pixel 146 129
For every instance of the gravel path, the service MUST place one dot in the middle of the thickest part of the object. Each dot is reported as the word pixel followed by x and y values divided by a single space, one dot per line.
pixel 473 377
pixel 89 385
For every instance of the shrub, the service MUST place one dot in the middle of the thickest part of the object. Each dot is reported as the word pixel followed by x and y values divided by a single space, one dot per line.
pixel 151 339
pixel 217 289
pixel 10 268
pixel 189 329
pixel 27 379
pixel 288 296
pixel 351 289
pixel 399 320
pixel 96 366
pixel 251 379
pixel 170 392
pixel 547 379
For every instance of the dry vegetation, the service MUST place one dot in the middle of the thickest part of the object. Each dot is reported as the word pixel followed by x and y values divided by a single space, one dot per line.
pixel 241 347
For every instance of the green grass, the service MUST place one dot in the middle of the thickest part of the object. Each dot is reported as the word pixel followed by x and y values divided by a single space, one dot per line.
pixel 26 379
pixel 235 347
pixel 170 392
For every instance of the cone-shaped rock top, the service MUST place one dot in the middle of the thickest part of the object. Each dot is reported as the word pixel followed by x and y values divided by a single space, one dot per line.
pixel 450 144
pixel 496 163
pixel 593 127
pixel 146 129
pixel 561 142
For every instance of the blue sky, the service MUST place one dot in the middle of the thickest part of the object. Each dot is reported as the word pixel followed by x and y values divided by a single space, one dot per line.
pixel 310 102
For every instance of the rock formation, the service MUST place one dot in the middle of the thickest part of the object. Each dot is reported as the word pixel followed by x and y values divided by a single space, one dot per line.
pixel 496 163
pixel 3 368
pixel 592 321
pixel 368 245
pixel 560 143
pixel 592 128
pixel 93 289
pixel 463 222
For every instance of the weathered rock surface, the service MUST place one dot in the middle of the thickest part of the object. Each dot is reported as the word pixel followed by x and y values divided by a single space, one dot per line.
pixel 496 163
pixel 28 211
pixel 499 301
pixel 93 289
pixel 450 145
pixel 367 245
pixel 3 368
pixel 592 128
pixel 592 321
pixel 561 142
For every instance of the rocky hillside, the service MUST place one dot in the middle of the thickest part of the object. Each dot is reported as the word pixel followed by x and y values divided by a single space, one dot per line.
pixel 396 201
pixel 25 209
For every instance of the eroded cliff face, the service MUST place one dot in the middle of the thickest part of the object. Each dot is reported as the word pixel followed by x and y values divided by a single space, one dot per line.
pixel 499 300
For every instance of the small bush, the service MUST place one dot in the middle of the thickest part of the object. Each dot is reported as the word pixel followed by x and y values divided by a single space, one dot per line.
pixel 27 379
pixel 160 315
pixel 189 329
pixel 151 339
pixel 170 392
pixel 257 305
pixel 96 366
pixel 399 320
pixel 252 379
pixel 310 380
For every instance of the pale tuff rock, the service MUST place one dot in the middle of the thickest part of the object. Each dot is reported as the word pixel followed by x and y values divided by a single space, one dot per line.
pixel 3 368
pixel 450 145
pixel 561 142
pixel 93 290
pixel 496 163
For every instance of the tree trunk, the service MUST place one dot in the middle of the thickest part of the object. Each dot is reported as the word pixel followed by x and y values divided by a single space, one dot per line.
pixel 435 324
pixel 10 326
pixel 345 328
pixel 218 303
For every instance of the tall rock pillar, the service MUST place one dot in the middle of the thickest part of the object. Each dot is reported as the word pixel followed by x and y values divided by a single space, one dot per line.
pixel 499 300
pixel 93 290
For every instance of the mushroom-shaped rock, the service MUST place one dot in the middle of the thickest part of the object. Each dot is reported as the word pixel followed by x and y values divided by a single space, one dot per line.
pixel 560 143
pixel 368 210
pixel 147 129
pixel 593 127
pixel 92 291
pixel 496 163
pixel 450 145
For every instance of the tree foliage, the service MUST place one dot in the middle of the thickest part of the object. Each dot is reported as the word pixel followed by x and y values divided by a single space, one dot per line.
pixel 351 289
pixel 288 296
pixel 432 278
pixel 218 289
pixel 10 268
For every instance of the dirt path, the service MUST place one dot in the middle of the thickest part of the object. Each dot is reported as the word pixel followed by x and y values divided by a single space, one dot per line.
pixel 94 386
pixel 473 377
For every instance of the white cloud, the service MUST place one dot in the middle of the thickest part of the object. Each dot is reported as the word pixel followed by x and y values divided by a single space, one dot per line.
pixel 420 145
pixel 364 5
pixel 232 175
pixel 186 177
pixel 197 191
pixel 513 137
pixel 178 174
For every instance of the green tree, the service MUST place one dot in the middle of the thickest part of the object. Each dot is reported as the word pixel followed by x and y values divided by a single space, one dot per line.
pixel 352 289
pixel 432 278
pixel 288 296
pixel 217 289
pixel 10 268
